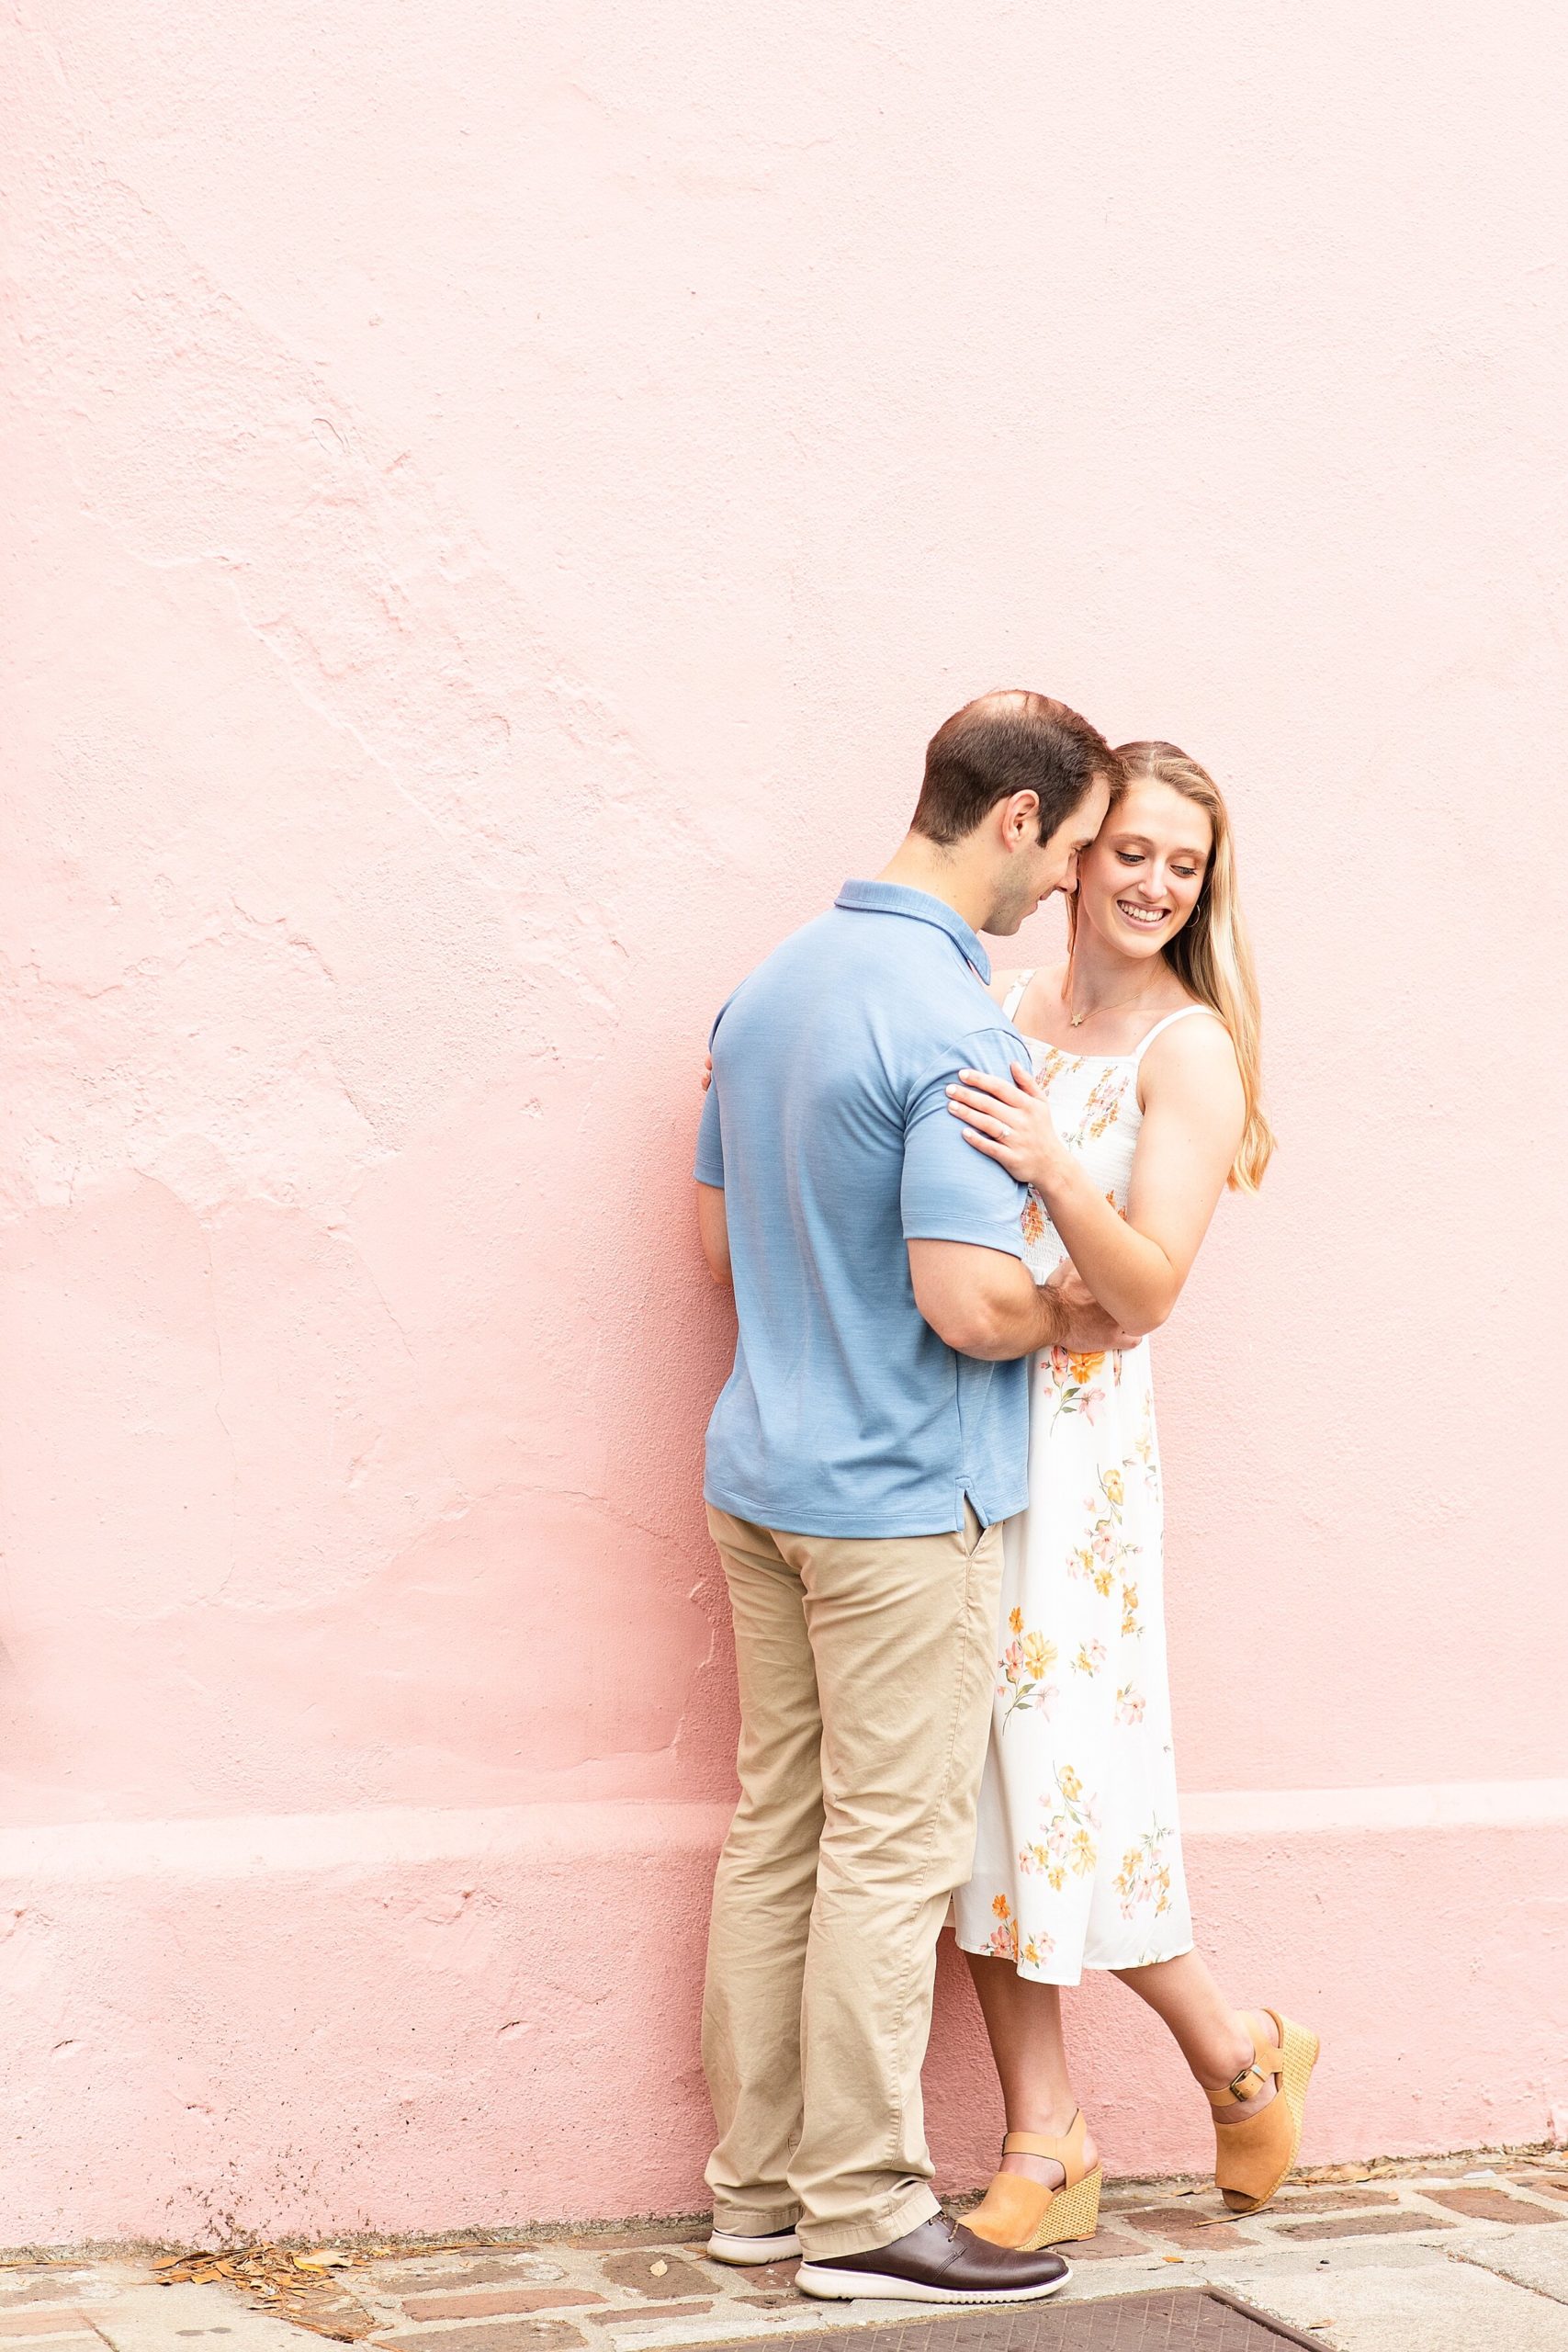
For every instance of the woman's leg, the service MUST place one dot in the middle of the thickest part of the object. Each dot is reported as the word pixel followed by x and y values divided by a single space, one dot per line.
pixel 1215 2040
pixel 1023 2022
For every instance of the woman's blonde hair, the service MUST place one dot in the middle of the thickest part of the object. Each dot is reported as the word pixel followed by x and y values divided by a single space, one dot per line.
pixel 1210 953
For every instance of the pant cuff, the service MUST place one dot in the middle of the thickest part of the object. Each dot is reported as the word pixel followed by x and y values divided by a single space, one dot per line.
pixel 755 2221
pixel 866 2232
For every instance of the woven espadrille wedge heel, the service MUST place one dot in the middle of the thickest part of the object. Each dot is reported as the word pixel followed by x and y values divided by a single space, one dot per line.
pixel 1252 2157
pixel 1024 2214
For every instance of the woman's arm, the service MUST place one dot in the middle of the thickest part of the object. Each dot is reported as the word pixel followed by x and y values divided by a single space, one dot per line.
pixel 1193 1114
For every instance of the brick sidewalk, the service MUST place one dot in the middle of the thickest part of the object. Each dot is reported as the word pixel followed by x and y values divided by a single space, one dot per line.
pixel 1460 2256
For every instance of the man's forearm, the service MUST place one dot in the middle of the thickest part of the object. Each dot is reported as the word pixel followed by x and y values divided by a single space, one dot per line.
pixel 985 1303
pixel 713 1230
pixel 1020 1320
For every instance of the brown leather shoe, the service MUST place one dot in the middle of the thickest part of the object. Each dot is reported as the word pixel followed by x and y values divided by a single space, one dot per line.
pixel 941 2262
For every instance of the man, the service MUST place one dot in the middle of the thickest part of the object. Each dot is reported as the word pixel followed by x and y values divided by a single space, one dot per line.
pixel 869 1442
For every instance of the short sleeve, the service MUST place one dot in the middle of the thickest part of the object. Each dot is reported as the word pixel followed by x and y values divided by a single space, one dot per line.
pixel 709 1168
pixel 950 1191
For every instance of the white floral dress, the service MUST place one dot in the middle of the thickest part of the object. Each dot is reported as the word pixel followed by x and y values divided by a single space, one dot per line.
pixel 1077 1861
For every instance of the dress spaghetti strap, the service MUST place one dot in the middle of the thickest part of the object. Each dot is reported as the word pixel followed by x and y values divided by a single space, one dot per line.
pixel 1148 1040
pixel 1016 994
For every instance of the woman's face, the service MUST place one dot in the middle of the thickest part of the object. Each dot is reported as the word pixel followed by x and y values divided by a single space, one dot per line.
pixel 1140 879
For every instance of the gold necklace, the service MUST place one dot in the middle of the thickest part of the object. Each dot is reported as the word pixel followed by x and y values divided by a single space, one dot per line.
pixel 1076 1020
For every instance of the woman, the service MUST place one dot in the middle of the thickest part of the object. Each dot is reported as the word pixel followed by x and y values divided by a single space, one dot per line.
pixel 1142 1105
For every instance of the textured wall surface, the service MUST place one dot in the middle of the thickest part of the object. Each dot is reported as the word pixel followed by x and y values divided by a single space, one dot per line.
pixel 498 497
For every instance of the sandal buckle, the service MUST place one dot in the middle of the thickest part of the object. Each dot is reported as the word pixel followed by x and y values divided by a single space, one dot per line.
pixel 1248 2074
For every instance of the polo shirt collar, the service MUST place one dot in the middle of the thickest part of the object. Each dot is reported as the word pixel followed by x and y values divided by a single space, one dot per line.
pixel 898 899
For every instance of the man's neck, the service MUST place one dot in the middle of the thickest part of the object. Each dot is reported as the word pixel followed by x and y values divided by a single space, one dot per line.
pixel 919 864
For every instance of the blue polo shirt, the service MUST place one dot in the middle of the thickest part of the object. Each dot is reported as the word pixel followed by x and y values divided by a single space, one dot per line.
pixel 828 1128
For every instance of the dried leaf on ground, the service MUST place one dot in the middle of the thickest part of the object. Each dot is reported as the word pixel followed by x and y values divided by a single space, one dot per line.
pixel 307 2290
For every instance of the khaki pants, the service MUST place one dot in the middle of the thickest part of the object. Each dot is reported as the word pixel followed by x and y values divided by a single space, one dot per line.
pixel 865 1672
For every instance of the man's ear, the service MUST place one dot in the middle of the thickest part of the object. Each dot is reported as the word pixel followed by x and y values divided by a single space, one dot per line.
pixel 1021 819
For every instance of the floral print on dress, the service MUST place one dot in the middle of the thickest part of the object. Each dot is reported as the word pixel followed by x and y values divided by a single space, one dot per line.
pixel 1076 1382
pixel 1144 1878
pixel 1074 1865
pixel 1034 1950
pixel 1102 1561
pixel 1053 1064
pixel 1071 1826
pixel 1026 1661
pixel 1102 1109
pixel 1143 1455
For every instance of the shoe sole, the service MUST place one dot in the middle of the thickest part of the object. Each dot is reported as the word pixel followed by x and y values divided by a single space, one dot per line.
pixel 846 2286
pixel 752 2254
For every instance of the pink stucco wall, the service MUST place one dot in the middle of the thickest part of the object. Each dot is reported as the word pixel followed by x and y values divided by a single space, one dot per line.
pixel 499 496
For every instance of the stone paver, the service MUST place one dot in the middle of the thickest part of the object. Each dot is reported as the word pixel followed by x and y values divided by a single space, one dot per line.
pixel 165 2319
pixel 48 2302
pixel 1334 2200
pixel 1280 2260
pixel 1529 2259
pixel 446 2271
pixel 657 2315
pixel 1362 2225
pixel 688 2235
pixel 1490 2205
pixel 496 2302
pixel 661 2277
pixel 772 2278
pixel 1183 2225
pixel 1447 2307
pixel 1106 2246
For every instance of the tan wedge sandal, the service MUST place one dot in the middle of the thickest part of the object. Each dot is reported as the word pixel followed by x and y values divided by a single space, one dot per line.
pixel 1024 2214
pixel 1253 2158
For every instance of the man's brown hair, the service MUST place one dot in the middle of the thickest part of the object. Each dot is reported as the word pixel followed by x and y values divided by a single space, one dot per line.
pixel 1004 743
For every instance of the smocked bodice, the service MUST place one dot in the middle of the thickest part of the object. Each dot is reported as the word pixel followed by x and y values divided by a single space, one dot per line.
pixel 1094 1102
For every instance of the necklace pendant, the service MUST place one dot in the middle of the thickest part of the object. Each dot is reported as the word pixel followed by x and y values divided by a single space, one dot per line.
pixel 1076 1020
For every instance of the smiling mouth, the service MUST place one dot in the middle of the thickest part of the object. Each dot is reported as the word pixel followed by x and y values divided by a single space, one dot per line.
pixel 1146 918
